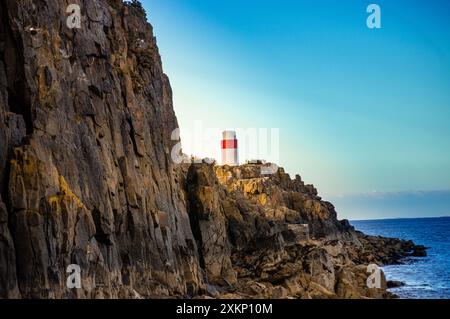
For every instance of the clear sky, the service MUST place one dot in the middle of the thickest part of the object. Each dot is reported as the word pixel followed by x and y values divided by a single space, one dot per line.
pixel 360 111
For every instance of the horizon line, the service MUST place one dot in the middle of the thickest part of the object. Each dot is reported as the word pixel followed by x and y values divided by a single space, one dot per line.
pixel 396 218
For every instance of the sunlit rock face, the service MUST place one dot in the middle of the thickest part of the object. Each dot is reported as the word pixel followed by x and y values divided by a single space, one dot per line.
pixel 87 179
pixel 86 175
pixel 282 239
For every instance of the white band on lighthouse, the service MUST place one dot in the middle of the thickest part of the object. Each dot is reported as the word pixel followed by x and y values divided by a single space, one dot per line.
pixel 229 148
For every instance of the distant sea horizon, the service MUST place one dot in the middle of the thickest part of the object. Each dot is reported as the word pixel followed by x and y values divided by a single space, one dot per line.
pixel 391 218
pixel 424 277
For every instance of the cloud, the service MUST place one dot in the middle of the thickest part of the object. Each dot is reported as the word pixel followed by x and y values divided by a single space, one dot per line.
pixel 404 204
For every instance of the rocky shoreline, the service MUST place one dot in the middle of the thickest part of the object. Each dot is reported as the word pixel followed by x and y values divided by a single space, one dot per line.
pixel 265 254
pixel 86 178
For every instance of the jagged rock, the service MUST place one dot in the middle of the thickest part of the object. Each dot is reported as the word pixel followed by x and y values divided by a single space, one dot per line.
pixel 419 251
pixel 351 284
pixel 8 276
pixel 274 249
pixel 395 284
pixel 92 182
pixel 209 224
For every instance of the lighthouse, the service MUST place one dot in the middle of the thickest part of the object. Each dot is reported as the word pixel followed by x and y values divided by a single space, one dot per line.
pixel 229 148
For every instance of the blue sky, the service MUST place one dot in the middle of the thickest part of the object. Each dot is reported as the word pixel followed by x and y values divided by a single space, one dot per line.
pixel 360 111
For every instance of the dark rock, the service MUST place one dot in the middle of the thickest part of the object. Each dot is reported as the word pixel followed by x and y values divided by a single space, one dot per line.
pixel 419 251
pixel 79 98
pixel 395 284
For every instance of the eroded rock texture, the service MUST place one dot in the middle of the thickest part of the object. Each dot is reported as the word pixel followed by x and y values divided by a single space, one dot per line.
pixel 272 255
pixel 85 165
pixel 86 178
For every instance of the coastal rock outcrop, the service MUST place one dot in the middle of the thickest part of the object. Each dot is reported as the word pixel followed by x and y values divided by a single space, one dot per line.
pixel 86 178
pixel 283 240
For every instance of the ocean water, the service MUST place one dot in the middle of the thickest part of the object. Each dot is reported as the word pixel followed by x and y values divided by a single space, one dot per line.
pixel 426 277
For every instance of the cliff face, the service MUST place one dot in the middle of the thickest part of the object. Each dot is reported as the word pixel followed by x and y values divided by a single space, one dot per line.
pixel 86 175
pixel 86 178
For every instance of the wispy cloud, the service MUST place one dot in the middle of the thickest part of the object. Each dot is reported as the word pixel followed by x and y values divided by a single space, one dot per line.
pixel 393 204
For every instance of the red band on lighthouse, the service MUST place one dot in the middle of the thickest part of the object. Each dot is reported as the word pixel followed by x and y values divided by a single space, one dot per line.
pixel 229 148
pixel 229 144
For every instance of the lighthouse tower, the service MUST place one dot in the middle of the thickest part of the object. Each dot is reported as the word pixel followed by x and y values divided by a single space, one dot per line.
pixel 229 148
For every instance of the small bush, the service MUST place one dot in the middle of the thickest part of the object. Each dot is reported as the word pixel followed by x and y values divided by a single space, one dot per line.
pixel 136 8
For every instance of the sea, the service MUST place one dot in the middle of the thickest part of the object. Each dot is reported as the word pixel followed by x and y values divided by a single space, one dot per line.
pixel 425 277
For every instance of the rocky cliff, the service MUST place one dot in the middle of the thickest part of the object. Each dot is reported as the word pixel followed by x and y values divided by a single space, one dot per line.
pixel 281 240
pixel 86 178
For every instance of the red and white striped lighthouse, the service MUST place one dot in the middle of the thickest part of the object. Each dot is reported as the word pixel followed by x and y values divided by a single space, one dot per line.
pixel 229 148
